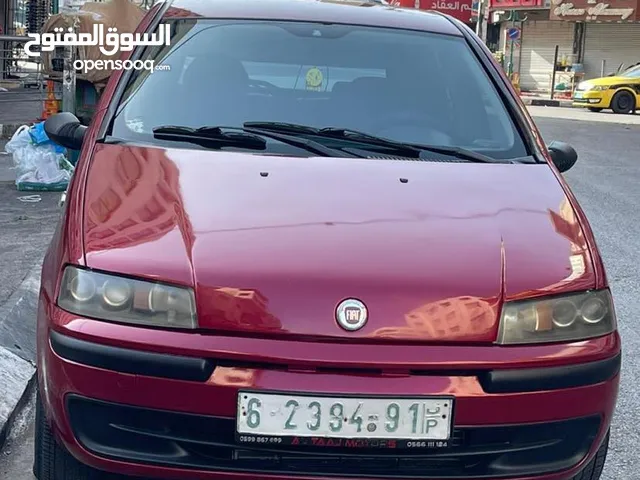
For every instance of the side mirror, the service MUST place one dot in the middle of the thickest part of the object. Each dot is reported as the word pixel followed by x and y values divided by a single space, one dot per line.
pixel 65 129
pixel 563 155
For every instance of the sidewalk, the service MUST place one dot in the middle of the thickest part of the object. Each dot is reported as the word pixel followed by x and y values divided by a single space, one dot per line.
pixel 543 100
pixel 25 232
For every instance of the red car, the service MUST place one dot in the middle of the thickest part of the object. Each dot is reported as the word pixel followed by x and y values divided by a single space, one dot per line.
pixel 319 239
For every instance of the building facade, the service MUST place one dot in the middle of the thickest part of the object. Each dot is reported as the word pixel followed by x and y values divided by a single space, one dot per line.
pixel 593 39
pixel 610 39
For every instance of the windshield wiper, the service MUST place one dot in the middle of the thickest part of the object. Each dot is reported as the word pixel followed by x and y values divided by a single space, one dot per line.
pixel 282 127
pixel 458 152
pixel 408 149
pixel 210 137
pixel 252 138
pixel 303 143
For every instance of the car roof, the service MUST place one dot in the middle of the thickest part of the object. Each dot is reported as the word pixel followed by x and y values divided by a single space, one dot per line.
pixel 354 12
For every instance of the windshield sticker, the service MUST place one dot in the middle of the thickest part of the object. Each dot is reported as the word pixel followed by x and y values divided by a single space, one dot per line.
pixel 314 79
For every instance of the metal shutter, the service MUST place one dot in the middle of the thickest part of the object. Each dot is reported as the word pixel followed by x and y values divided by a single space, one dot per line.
pixel 615 43
pixel 539 40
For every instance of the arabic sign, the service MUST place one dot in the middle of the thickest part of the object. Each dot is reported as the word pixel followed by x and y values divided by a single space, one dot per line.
pixel 460 9
pixel 519 4
pixel 119 42
pixel 594 10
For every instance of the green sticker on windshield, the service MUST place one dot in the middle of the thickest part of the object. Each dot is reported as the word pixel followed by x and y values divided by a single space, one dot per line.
pixel 314 79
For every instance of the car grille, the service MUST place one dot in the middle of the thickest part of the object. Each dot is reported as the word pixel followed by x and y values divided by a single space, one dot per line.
pixel 178 440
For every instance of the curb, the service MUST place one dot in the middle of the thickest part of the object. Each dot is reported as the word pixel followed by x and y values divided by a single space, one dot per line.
pixel 543 102
pixel 18 349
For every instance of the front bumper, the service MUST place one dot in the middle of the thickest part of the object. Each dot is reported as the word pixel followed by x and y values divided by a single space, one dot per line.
pixel 168 416
pixel 592 98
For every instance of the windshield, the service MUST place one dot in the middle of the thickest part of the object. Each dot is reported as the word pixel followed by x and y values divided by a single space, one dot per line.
pixel 402 85
pixel 633 72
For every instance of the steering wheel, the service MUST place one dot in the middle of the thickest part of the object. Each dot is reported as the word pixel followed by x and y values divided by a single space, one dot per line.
pixel 263 85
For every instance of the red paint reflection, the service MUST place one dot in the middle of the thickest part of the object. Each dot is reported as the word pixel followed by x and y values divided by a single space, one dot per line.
pixel 235 308
pixel 445 319
pixel 234 377
pixel 566 224
pixel 173 12
pixel 138 199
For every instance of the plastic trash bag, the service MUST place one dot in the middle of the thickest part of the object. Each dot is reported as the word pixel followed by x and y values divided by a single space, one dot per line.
pixel 20 138
pixel 37 134
pixel 40 164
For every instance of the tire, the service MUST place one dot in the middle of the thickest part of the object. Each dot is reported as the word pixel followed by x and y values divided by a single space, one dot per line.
pixel 593 470
pixel 51 460
pixel 595 109
pixel 623 102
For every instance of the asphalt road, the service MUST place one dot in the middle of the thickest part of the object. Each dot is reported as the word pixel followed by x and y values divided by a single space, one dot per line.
pixel 606 180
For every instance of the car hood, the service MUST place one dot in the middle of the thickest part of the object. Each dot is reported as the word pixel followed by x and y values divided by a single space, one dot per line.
pixel 273 244
pixel 605 81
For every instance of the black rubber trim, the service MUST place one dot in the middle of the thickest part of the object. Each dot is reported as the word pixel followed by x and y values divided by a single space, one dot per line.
pixel 135 362
pixel 188 442
pixel 176 367
pixel 552 378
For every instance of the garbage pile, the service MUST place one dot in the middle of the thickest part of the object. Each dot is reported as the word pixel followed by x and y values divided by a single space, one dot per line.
pixel 41 165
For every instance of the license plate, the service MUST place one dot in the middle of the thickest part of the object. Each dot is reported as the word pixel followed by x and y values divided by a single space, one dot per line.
pixel 350 417
pixel 577 95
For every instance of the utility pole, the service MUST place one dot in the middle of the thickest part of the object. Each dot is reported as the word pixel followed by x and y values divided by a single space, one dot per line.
pixel 69 74
pixel 479 18
pixel 514 18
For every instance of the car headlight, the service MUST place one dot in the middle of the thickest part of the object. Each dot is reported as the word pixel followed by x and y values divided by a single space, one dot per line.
pixel 600 88
pixel 561 318
pixel 121 299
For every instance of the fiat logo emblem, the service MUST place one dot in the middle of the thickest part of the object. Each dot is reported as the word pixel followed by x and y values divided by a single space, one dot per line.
pixel 352 314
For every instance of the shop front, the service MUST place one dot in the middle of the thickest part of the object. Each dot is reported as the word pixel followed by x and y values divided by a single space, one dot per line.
pixel 611 33
pixel 529 39
pixel 540 37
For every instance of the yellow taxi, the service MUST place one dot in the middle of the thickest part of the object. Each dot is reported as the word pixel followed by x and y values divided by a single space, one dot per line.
pixel 620 93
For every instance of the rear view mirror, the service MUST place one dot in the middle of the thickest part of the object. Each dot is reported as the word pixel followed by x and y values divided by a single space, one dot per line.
pixel 65 129
pixel 563 155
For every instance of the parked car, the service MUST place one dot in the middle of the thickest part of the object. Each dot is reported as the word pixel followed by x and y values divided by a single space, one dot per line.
pixel 263 273
pixel 620 93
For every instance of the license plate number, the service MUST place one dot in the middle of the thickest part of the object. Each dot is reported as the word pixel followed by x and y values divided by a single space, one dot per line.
pixel 282 415
pixel 577 95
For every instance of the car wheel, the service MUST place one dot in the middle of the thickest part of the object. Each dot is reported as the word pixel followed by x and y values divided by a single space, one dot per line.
pixel 623 102
pixel 593 470
pixel 595 109
pixel 51 460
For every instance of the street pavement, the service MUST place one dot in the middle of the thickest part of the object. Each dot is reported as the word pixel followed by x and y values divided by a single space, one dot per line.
pixel 606 181
pixel 26 226
pixel 584 115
